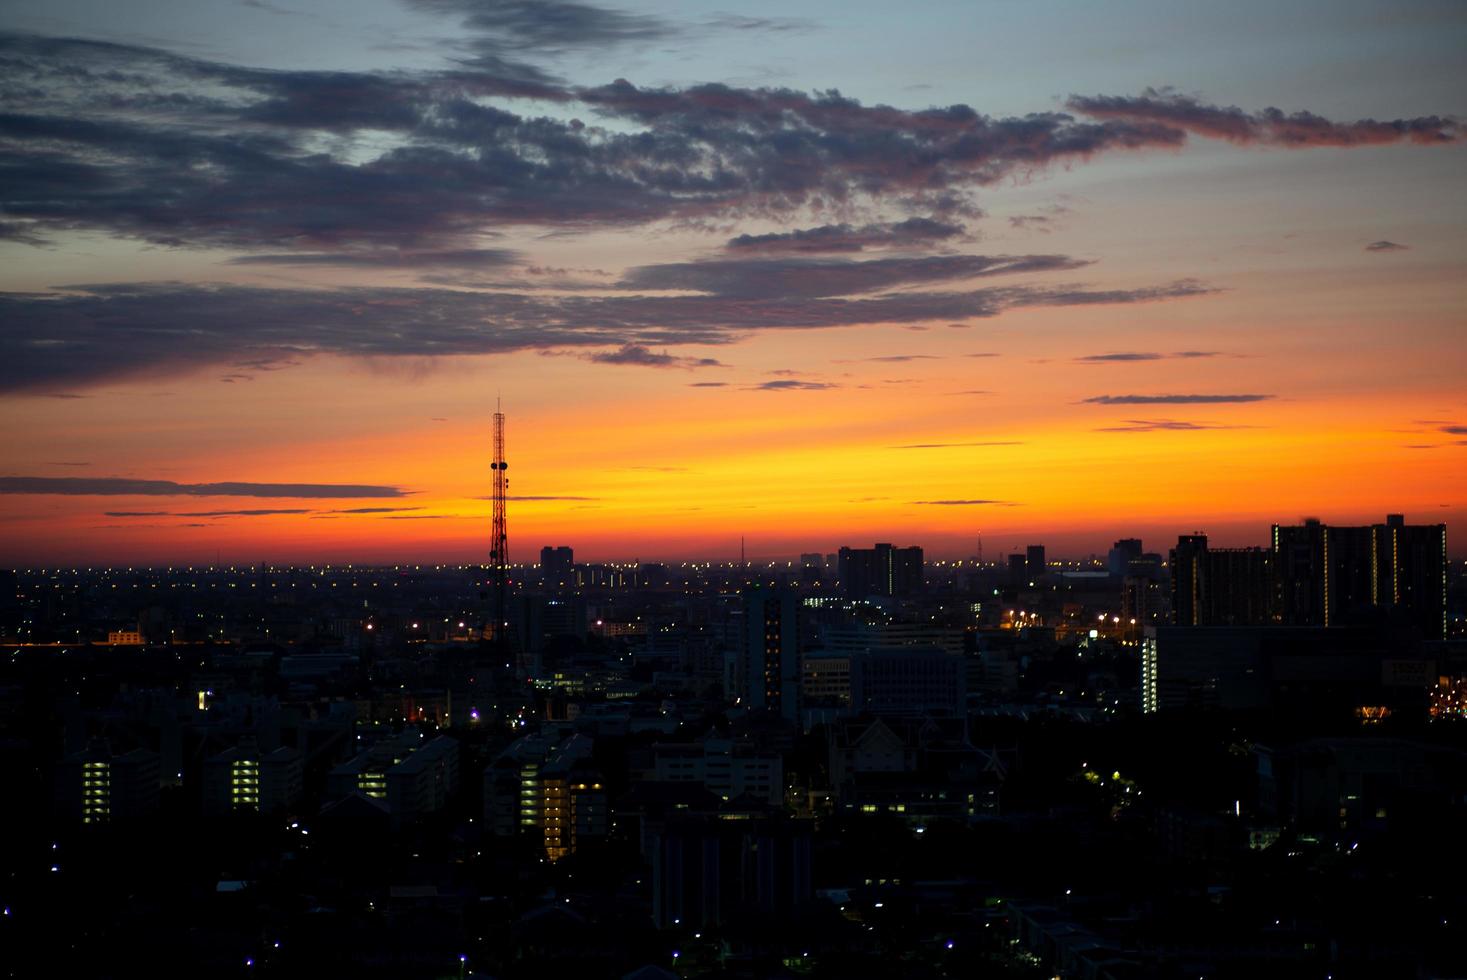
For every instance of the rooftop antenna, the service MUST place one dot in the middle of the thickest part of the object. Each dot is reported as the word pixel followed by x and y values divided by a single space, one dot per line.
pixel 499 536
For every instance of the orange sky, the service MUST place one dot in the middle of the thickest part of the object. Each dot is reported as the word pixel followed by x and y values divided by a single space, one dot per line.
pixel 1321 283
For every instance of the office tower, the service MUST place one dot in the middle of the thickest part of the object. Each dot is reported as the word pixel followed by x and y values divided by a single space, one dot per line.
pixel 1122 553
pixel 882 570
pixel 1330 576
pixel 1034 562
pixel 557 566
pixel 771 657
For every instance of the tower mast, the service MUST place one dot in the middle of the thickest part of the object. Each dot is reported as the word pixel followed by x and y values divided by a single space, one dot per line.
pixel 499 537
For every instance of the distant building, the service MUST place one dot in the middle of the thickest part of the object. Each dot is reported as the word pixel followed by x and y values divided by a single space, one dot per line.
pixel 125 638
pixel 557 566
pixel 1334 671
pixel 707 871
pixel 1330 575
pixel 1223 586
pixel 908 680
pixel 412 776
pixel 723 766
pixel 548 789
pixel 882 570
pixel 95 786
pixel 573 799
pixel 1122 553
pixel 771 654
pixel 1035 563
pixel 243 778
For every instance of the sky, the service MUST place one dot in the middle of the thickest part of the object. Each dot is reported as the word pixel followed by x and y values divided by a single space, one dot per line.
pixel 968 274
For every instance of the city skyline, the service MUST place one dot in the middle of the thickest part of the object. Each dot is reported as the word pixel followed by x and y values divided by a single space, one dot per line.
pixel 266 268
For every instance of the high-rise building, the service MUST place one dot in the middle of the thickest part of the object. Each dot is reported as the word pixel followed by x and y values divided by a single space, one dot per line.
pixel 1035 564
pixel 771 655
pixel 706 871
pixel 557 566
pixel 882 570
pixel 1330 576
pixel 1122 553
pixel 1223 586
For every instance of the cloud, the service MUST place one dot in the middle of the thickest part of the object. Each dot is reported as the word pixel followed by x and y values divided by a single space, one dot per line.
pixel 1174 399
pixel 89 334
pixel 708 384
pixel 1128 356
pixel 469 258
pixel 1455 430
pixel 1270 127
pixel 1168 425
pixel 638 355
pixel 911 233
pixel 120 487
pixel 964 503
pixel 1385 246
pixel 204 513
pixel 955 445
pixel 796 277
pixel 889 359
pixel 142 143
pixel 789 384
pixel 66 463
pixel 371 510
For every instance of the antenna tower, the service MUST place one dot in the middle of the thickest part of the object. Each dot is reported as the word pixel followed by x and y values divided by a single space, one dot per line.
pixel 499 540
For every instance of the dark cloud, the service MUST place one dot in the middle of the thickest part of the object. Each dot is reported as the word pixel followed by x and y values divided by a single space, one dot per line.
pixel 913 232
pixel 469 258
pixel 143 143
pixel 964 503
pixel 371 510
pixel 889 359
pixel 792 277
pixel 1175 399
pixel 708 384
pixel 1127 356
pixel 789 384
pixel 640 356
pixel 1455 430
pixel 1271 126
pixel 1385 246
pixel 120 487
pixel 232 513
pixel 496 28
pixel 955 445
pixel 65 463
pixel 1167 425
pixel 92 333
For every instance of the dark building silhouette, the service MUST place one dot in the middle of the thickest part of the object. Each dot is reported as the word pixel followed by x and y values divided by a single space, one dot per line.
pixel 883 570
pixel 707 871
pixel 771 654
pixel 1330 576
pixel 557 565
pixel 1222 586
pixel 1035 563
